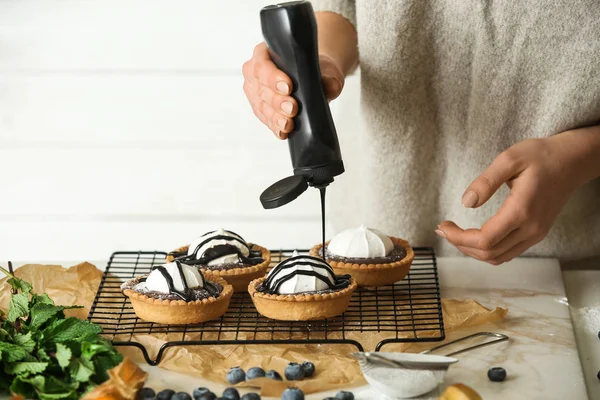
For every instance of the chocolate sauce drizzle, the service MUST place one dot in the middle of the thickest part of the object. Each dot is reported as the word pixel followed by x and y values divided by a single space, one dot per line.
pixel 214 252
pixel 186 293
pixel 272 283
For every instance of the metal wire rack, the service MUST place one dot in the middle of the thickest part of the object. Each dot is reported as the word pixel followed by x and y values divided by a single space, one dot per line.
pixel 408 311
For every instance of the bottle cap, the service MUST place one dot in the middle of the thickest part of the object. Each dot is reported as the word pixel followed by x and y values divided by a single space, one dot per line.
pixel 283 191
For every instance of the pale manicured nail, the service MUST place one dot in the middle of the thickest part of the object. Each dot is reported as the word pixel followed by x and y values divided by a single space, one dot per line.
pixel 283 87
pixel 440 233
pixel 470 199
pixel 287 107
pixel 282 122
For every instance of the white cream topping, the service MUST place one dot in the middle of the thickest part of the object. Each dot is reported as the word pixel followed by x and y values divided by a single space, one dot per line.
pixel 226 259
pixel 302 283
pixel 361 242
pixel 156 282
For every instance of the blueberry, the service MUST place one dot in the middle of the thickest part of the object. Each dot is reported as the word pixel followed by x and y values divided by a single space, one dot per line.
pixel 231 394
pixel 309 369
pixel 341 395
pixel 235 375
pixel 181 396
pixel 292 394
pixel 203 393
pixel 497 374
pixel 251 396
pixel 146 394
pixel 165 394
pixel 294 372
pixel 598 375
pixel 272 374
pixel 255 372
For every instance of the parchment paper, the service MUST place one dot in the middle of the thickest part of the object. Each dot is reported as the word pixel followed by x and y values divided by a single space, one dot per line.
pixel 334 367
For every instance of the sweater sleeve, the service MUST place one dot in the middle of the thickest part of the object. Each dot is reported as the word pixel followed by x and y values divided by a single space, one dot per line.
pixel 345 8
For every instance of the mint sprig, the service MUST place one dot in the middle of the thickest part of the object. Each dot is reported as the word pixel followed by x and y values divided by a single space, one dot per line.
pixel 43 354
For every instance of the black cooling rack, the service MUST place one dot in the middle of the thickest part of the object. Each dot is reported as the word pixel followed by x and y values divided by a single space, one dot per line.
pixel 408 311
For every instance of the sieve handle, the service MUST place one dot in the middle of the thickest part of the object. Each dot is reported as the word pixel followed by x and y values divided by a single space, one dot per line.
pixel 497 338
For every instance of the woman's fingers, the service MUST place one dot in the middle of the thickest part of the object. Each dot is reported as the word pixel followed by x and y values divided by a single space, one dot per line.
pixel 515 251
pixel 491 233
pixel 286 106
pixel 502 169
pixel 513 238
pixel 268 90
pixel 332 77
pixel 267 73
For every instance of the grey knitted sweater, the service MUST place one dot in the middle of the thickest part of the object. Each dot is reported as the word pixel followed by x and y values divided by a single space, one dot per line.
pixel 446 86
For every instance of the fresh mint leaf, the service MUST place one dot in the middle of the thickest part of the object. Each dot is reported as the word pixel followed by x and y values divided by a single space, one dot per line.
pixel 42 299
pixel 22 387
pixel 10 352
pixel 42 355
pixel 54 385
pixel 25 341
pixel 18 307
pixel 89 350
pixel 42 312
pixel 103 363
pixel 56 389
pixel 81 369
pixel 70 329
pixel 20 284
pixel 40 387
pixel 59 396
pixel 37 381
pixel 63 355
pixel 46 356
pixel 25 368
pixel 4 381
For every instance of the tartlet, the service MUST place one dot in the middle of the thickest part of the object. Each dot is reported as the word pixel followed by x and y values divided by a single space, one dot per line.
pixel 178 294
pixel 302 288
pixel 227 255
pixel 371 257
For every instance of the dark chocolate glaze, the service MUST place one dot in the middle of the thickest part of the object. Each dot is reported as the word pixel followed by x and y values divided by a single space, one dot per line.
pixel 398 253
pixel 187 292
pixel 212 253
pixel 272 283
pixel 322 191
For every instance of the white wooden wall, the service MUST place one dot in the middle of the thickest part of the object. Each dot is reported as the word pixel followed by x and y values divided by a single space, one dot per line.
pixel 123 125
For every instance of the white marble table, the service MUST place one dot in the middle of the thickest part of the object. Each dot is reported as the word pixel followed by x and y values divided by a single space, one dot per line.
pixel 541 359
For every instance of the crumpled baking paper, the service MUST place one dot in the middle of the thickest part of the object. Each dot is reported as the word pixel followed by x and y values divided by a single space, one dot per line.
pixel 123 383
pixel 335 368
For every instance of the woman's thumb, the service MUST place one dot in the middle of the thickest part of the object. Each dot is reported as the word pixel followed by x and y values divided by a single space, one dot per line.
pixel 332 85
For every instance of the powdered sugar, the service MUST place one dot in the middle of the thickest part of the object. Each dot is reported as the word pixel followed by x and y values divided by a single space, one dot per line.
pixel 587 317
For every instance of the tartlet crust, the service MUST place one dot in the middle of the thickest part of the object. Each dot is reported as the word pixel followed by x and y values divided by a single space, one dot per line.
pixel 239 278
pixel 301 307
pixel 180 312
pixel 373 274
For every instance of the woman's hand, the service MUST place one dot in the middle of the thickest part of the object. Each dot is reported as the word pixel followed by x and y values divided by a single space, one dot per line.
pixel 268 89
pixel 541 174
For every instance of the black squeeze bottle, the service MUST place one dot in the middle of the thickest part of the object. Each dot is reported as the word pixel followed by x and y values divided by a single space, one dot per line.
pixel 290 32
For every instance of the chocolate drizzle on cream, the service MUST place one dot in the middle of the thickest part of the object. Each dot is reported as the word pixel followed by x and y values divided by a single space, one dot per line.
pixel 186 293
pixel 198 256
pixel 318 269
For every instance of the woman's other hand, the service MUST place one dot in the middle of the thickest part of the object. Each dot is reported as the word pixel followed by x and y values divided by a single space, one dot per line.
pixel 541 174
